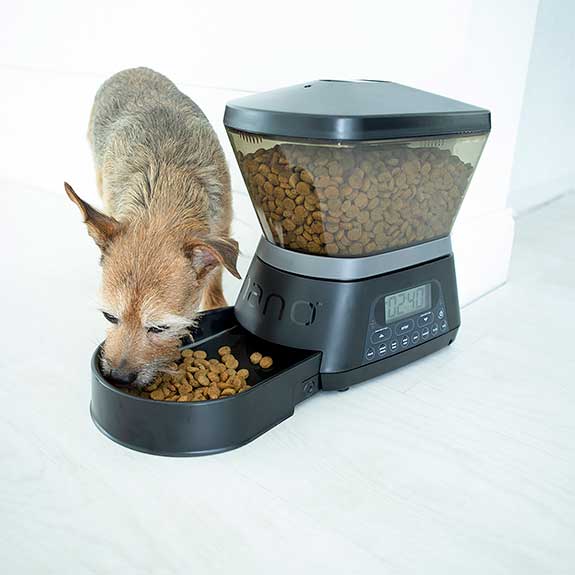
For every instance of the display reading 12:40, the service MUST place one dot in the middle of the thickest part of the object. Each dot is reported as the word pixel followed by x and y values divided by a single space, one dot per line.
pixel 408 302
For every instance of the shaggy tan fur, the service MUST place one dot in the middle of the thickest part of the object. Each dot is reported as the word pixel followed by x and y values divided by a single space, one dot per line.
pixel 165 236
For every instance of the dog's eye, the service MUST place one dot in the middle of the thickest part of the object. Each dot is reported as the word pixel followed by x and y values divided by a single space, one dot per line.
pixel 111 318
pixel 158 328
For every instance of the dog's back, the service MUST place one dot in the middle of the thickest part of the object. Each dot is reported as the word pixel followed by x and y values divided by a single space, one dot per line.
pixel 154 149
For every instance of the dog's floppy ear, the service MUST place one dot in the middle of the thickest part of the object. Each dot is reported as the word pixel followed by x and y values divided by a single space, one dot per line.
pixel 208 253
pixel 103 229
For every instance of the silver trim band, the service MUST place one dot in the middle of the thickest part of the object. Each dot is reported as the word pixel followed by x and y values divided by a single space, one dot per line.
pixel 347 269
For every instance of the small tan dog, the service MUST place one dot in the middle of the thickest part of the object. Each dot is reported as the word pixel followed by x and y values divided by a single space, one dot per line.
pixel 164 181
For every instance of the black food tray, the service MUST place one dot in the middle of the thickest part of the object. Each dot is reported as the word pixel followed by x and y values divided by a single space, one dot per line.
pixel 206 427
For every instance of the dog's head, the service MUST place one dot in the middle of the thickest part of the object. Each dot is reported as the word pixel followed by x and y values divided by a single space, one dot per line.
pixel 152 286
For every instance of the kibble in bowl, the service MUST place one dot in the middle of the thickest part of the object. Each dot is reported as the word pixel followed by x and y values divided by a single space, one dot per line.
pixel 196 377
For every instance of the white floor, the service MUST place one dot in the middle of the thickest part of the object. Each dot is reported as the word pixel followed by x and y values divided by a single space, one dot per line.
pixel 462 463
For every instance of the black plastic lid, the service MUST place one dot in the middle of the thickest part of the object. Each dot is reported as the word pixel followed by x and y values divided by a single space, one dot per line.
pixel 353 110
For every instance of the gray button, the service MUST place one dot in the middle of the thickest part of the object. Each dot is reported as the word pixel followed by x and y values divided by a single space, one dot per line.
pixel 404 326
pixel 441 313
pixel 434 329
pixel 425 319
pixel 370 354
pixel 380 335
pixel 425 333
pixel 382 350
pixel 404 341
pixel 415 337
pixel 393 345
pixel 443 325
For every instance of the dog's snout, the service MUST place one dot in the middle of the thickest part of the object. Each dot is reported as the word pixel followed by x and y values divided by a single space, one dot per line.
pixel 123 376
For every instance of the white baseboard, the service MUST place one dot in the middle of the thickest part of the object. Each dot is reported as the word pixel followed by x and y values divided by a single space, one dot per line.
pixel 482 248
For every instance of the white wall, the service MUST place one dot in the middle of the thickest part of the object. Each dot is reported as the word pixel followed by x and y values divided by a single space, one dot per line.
pixel 544 165
pixel 53 55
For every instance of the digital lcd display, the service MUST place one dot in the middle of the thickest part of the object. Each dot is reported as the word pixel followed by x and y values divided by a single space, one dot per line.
pixel 408 302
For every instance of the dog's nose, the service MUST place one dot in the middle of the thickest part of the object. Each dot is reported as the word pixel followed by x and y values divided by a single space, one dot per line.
pixel 123 376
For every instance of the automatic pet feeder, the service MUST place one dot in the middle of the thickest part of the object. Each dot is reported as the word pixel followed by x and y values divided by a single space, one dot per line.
pixel 356 186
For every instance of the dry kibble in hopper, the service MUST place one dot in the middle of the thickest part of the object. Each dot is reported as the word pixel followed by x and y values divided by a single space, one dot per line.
pixel 354 201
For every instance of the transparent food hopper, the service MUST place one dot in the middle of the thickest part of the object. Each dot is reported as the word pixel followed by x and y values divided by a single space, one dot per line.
pixel 355 168
pixel 350 199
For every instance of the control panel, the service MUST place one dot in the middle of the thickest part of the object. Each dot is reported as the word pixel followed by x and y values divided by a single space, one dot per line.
pixel 405 319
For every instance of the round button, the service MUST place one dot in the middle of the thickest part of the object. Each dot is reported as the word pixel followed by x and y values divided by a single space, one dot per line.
pixel 415 337
pixel 370 354
pixel 443 326
pixel 425 333
pixel 393 345
pixel 440 313
pixel 309 387
pixel 434 329
pixel 382 349
pixel 404 341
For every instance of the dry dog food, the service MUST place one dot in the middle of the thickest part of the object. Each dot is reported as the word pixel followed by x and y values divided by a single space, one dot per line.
pixel 354 201
pixel 197 378
pixel 256 357
pixel 265 362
